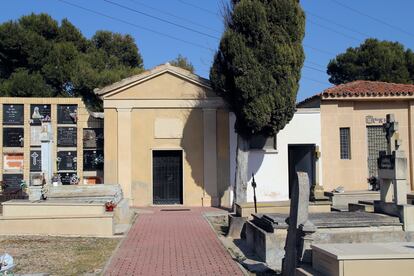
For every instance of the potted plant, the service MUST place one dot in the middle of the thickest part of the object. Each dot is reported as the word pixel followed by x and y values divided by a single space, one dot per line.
pixel 109 206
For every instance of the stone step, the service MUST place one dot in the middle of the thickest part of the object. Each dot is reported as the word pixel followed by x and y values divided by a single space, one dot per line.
pixel 306 270
pixel 339 208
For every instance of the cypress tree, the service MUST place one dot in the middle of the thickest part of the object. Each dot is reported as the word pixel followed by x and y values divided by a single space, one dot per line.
pixel 257 70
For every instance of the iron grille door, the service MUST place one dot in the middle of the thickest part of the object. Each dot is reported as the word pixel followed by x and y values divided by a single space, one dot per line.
pixel 167 177
pixel 376 143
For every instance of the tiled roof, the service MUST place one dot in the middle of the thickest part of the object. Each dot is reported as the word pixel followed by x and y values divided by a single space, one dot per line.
pixel 368 89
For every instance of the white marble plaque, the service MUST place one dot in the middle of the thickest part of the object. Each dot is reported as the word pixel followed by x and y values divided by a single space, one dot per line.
pixel 35 135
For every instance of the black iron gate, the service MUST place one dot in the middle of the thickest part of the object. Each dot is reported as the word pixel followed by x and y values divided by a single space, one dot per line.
pixel 167 176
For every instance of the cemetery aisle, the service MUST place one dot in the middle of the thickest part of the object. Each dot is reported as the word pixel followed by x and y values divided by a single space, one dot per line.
pixel 172 243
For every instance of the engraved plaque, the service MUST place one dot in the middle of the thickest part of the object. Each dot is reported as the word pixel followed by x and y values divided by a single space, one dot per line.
pixel 13 114
pixel 12 181
pixel 93 160
pixel 35 161
pixel 13 137
pixel 67 113
pixel 67 136
pixel 66 161
pixel 66 177
pixel 93 138
pixel 35 135
pixel 39 112
pixel 13 162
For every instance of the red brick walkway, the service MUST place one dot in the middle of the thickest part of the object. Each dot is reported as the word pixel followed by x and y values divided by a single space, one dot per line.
pixel 172 243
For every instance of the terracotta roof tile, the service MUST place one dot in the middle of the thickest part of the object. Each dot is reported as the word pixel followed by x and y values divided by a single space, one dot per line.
pixel 368 88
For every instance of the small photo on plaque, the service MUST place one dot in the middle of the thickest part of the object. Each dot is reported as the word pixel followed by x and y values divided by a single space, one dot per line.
pixel 93 138
pixel 13 137
pixel 12 181
pixel 13 114
pixel 67 113
pixel 66 161
pixel 93 160
pixel 35 161
pixel 39 112
pixel 67 136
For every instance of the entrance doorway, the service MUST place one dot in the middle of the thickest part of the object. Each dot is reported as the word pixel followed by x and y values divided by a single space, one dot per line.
pixel 301 159
pixel 167 176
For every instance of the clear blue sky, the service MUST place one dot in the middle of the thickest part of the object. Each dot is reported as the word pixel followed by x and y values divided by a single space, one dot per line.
pixel 322 42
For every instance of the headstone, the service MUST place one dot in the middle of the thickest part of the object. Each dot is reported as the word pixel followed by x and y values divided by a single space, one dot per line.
pixel 36 161
pixel 13 137
pixel 12 181
pixel 65 178
pixel 93 160
pixel 35 132
pixel 66 161
pixel 392 174
pixel 93 138
pixel 39 113
pixel 13 162
pixel 299 225
pixel 67 114
pixel 67 136
pixel 13 114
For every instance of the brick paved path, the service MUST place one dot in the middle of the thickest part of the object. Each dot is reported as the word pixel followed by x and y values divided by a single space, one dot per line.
pixel 172 243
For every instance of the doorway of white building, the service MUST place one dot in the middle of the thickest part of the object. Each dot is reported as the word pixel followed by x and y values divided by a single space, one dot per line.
pixel 301 158
pixel 167 173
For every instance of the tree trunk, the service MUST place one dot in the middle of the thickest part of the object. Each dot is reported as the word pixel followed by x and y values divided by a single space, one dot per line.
pixel 242 158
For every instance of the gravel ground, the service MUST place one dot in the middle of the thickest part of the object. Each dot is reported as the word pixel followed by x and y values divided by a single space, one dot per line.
pixel 58 255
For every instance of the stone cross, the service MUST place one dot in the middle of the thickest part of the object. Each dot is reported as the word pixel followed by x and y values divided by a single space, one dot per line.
pixel 392 166
pixel 391 133
pixel 299 225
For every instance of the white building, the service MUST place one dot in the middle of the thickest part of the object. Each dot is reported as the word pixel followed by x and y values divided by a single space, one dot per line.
pixel 296 149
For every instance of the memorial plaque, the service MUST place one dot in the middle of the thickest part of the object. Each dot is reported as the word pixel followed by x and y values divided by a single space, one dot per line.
pixel 93 160
pixel 386 162
pixel 66 161
pixel 67 113
pixel 67 136
pixel 66 177
pixel 13 114
pixel 39 112
pixel 93 138
pixel 35 161
pixel 13 137
pixel 35 132
pixel 13 162
pixel 12 181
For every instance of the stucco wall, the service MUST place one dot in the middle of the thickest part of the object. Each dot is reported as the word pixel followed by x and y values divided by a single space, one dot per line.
pixel 352 174
pixel 272 168
pixel 167 111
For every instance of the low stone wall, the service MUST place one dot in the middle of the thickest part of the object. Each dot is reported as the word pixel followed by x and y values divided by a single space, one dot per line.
pixel 96 226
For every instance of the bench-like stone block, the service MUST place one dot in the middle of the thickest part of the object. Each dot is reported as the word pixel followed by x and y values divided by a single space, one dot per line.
pixel 96 226
pixel 380 259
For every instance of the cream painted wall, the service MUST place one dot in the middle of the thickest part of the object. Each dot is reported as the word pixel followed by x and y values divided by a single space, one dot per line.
pixel 352 174
pixel 271 168
pixel 167 111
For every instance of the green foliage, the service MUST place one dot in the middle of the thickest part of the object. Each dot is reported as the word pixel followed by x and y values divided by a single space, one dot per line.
pixel 373 60
pixel 182 62
pixel 257 67
pixel 40 58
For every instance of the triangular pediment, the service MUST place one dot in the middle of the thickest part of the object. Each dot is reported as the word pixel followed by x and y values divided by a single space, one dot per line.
pixel 162 82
